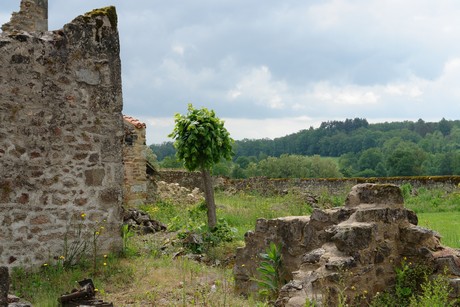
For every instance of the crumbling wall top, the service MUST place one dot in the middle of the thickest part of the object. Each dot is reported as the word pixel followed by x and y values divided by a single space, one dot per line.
pixel 32 17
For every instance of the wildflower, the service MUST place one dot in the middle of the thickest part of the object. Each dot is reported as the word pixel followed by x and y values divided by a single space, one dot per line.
pixel 242 265
pixel 353 288
pixel 83 215
pixel 105 256
pixel 105 263
pixel 96 233
pixel 45 264
pixel 102 227
pixel 365 292
pixel 405 258
pixel 61 257
pixel 96 290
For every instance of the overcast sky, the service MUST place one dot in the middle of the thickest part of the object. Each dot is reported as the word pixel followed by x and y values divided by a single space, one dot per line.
pixel 270 67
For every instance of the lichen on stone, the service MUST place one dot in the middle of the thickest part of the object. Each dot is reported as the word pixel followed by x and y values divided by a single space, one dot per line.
pixel 108 11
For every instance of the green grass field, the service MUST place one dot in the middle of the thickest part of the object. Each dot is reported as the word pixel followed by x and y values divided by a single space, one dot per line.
pixel 446 223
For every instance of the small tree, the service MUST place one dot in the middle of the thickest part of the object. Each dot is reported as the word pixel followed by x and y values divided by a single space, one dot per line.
pixel 201 141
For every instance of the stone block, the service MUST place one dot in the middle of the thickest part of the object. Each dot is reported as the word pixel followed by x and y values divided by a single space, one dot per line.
pixel 94 177
pixel 353 237
pixel 376 194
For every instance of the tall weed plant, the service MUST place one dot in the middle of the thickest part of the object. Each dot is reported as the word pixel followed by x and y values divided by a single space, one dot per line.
pixel 269 279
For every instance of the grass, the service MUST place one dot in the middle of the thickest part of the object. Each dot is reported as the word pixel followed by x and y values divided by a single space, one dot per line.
pixel 435 200
pixel 242 210
pixel 150 276
pixel 446 223
pixel 437 210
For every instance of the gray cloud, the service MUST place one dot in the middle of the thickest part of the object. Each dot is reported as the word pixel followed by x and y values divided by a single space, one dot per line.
pixel 275 61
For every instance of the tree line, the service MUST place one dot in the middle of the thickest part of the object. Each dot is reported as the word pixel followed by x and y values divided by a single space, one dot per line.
pixel 350 148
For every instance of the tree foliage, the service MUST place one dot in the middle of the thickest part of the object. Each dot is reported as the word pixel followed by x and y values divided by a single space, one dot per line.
pixel 201 139
pixel 362 149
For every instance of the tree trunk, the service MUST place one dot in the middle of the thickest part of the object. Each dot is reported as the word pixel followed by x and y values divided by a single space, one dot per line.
pixel 209 197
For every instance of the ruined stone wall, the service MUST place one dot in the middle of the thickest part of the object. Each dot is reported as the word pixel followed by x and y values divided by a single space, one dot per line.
pixel 61 133
pixel 189 180
pixel 351 250
pixel 334 186
pixel 134 160
pixel 33 17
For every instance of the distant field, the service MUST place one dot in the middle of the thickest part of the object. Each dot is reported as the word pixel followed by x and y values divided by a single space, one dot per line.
pixel 446 223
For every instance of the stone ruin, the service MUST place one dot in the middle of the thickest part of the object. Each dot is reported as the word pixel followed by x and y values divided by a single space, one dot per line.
pixel 138 173
pixel 366 238
pixel 61 132
pixel 33 17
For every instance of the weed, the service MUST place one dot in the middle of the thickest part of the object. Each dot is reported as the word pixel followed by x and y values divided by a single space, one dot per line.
pixel 409 282
pixel 126 234
pixel 75 244
pixel 406 190
pixel 435 293
pixel 270 278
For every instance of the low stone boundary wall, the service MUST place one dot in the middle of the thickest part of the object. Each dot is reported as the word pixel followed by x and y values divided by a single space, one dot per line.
pixel 264 185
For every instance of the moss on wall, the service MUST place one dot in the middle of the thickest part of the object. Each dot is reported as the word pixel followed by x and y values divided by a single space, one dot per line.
pixel 108 11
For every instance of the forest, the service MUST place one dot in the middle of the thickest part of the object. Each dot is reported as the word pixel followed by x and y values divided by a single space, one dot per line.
pixel 349 148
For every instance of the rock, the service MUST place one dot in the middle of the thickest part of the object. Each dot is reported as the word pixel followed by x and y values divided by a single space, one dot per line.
pixel 313 256
pixel 14 301
pixel 359 245
pixel 353 237
pixel 455 286
pixel 173 192
pixel 376 194
pixel 140 221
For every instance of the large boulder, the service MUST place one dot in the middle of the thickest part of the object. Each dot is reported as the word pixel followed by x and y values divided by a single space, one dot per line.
pixel 358 244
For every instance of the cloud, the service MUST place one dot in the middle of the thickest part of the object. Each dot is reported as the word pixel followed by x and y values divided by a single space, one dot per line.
pixel 239 128
pixel 282 63
pixel 257 85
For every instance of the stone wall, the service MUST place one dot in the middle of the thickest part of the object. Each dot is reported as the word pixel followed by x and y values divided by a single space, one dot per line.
pixel 351 250
pixel 33 17
pixel 334 186
pixel 61 132
pixel 134 161
pixel 189 180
